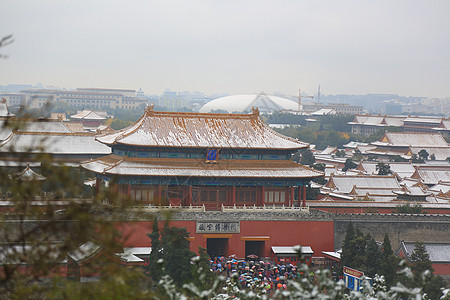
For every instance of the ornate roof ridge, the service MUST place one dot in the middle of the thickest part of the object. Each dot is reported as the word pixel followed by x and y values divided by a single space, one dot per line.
pixel 54 133
pixel 149 111
pixel 250 124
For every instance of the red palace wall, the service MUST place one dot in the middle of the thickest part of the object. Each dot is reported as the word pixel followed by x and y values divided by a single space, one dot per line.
pixel 379 210
pixel 441 269
pixel 318 235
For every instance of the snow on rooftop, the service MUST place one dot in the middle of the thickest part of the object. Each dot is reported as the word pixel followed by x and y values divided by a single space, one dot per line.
pixel 55 143
pixel 344 183
pixel 117 165
pixel 201 130
pixel 88 115
pixel 291 250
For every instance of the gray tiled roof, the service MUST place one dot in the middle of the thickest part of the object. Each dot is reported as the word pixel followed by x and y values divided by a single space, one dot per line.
pixel 439 252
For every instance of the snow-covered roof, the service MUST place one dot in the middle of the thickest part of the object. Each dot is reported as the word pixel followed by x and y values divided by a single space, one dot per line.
pixel 130 255
pixel 45 126
pixel 431 176
pixel 119 165
pixel 54 143
pixel 412 191
pixel 422 120
pixel 409 182
pixel 74 127
pixel 176 129
pixel 345 183
pixel 354 145
pixel 328 150
pixel 402 139
pixel 323 112
pixel 443 186
pixel 336 255
pixel 440 153
pixel 438 252
pixel 380 121
pixel 88 115
pixel 28 175
pixel 84 251
pixel 244 104
pixel 291 250
pixel 361 191
pixel 401 169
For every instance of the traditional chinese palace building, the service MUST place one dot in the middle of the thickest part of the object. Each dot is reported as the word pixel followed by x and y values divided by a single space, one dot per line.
pixel 205 159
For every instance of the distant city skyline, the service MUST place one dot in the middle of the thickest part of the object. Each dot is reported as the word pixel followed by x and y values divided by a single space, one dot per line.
pixel 234 47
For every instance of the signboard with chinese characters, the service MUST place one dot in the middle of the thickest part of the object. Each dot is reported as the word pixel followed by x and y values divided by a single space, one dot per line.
pixel 353 278
pixel 217 227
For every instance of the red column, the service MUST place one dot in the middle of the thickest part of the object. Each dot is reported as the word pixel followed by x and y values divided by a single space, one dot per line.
pixel 287 195
pixel 190 195
pixel 129 190
pixel 233 195
pixel 159 194
pixel 263 195
pixel 304 196
pixel 292 196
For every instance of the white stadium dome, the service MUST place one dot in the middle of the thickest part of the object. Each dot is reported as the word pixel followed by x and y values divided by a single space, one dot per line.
pixel 244 103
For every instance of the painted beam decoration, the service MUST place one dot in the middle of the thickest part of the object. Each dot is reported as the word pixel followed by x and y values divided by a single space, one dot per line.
pixel 217 227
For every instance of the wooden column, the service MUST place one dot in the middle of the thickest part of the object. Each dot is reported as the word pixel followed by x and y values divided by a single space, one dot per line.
pixel 159 194
pixel 233 195
pixel 287 194
pixel 189 195
pixel 304 196
pixel 292 196
pixel 129 190
pixel 263 195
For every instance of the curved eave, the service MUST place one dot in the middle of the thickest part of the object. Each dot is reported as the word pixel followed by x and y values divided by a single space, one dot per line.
pixel 114 165
pixel 208 146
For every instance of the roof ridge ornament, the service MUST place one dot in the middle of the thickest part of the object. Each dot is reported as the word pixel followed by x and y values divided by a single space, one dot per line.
pixel 255 111
pixel 149 109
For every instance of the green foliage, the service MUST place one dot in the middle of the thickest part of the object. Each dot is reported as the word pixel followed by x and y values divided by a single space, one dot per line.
pixel 373 257
pixel 170 247
pixel 117 124
pixel 398 158
pixel 319 167
pixel 176 253
pixel 340 153
pixel 154 269
pixel 307 158
pixel 389 262
pixel 348 247
pixel 420 262
pixel 416 160
pixel 422 270
pixel 423 154
pixel 349 164
pixel 409 209
pixel 285 118
pixel 383 169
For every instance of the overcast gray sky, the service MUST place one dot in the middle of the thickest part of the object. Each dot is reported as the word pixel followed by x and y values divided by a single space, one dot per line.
pixel 237 47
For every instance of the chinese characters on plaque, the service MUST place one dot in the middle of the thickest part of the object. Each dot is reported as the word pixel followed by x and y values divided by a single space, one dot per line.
pixel 218 227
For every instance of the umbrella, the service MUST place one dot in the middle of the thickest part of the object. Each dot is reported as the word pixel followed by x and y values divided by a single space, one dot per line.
pixel 252 256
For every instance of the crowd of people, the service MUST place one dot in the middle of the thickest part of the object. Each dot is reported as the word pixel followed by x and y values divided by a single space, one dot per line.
pixel 255 275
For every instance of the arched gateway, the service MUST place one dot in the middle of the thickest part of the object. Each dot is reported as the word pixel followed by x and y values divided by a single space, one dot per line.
pixel 215 160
